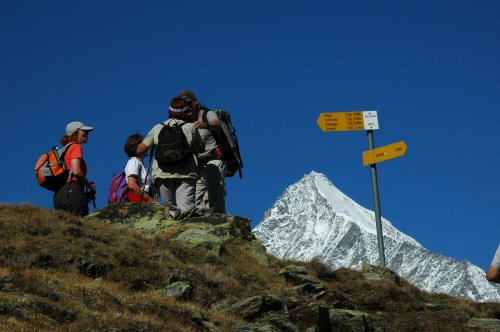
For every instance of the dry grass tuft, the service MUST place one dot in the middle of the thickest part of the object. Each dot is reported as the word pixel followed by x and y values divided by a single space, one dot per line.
pixel 321 270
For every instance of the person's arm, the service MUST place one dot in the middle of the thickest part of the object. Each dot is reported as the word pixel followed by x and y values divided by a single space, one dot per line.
pixel 148 141
pixel 133 185
pixel 141 149
pixel 77 171
pixel 493 274
pixel 213 122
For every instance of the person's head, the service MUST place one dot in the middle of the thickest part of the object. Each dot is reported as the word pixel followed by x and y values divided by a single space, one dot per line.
pixel 76 132
pixel 180 109
pixel 132 143
pixel 187 95
pixel 190 98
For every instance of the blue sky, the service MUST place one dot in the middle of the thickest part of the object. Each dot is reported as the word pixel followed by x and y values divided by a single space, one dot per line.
pixel 431 70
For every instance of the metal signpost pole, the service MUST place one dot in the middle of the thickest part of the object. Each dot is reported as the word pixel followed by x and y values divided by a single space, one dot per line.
pixel 378 218
pixel 367 120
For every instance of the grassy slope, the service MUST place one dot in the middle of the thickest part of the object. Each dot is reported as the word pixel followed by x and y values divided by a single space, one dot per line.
pixel 61 273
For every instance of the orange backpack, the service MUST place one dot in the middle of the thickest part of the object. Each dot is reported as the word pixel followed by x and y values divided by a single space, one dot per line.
pixel 50 170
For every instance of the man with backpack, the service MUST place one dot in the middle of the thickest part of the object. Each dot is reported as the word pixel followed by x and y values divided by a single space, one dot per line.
pixel 210 188
pixel 175 168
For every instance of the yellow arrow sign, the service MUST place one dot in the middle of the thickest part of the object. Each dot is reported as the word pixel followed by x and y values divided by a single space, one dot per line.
pixel 384 153
pixel 343 121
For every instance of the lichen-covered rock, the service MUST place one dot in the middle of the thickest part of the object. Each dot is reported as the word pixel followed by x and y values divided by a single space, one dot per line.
pixel 250 307
pixel 352 321
pixel 307 314
pixel 201 239
pixel 337 299
pixel 255 305
pixel 256 250
pixel 264 313
pixel 372 272
pixel 151 219
pixel 278 320
pixel 294 269
pixel 297 275
pixel 484 324
pixel 259 327
pixel 180 290
pixel 208 232
pixel 372 276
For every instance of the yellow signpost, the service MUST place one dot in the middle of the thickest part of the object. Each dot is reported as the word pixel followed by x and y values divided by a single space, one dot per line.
pixel 344 121
pixel 384 153
pixel 367 120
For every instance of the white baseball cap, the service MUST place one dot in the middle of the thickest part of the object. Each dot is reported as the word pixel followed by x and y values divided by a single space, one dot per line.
pixel 72 127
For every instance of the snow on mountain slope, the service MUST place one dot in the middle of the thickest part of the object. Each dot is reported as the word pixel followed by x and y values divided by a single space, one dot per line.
pixel 315 219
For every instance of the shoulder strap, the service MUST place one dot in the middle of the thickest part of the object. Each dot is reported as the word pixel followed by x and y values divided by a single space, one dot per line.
pixel 175 124
pixel 62 156
pixel 204 116
pixel 179 124
pixel 65 149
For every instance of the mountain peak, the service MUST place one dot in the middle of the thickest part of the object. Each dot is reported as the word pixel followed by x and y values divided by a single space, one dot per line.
pixel 344 206
pixel 316 177
pixel 314 219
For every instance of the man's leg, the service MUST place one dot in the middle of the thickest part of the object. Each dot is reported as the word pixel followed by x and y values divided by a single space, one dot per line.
pixel 222 166
pixel 201 191
pixel 167 191
pixel 215 185
pixel 185 194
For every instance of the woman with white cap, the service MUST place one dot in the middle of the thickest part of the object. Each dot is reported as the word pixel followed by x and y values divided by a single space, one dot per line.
pixel 71 197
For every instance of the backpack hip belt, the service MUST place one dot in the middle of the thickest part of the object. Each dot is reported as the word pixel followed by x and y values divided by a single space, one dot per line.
pixel 203 161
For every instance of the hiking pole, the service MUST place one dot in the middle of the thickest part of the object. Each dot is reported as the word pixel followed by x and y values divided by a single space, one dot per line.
pixel 90 195
pixel 151 155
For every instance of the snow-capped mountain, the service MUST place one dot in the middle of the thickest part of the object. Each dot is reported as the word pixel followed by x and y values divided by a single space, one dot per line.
pixel 315 219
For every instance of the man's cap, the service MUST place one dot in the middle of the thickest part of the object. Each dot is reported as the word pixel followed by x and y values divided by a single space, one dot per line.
pixel 73 127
